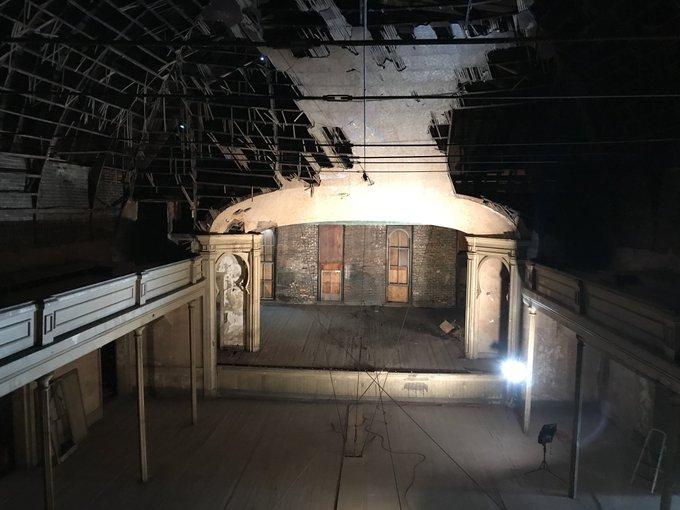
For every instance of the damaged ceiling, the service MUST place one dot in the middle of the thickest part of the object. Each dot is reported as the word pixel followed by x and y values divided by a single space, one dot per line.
pixel 201 103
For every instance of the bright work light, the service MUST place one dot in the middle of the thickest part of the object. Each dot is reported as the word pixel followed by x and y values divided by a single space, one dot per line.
pixel 514 371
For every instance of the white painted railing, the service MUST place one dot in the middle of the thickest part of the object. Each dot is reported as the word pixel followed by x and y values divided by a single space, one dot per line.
pixel 73 309
pixel 650 325
pixel 17 328
pixel 164 279
pixel 40 323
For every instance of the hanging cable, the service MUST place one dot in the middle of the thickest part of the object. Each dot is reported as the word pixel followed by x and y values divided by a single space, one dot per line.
pixel 499 504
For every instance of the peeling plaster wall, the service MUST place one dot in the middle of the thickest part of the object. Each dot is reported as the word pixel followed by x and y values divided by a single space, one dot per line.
pixel 231 274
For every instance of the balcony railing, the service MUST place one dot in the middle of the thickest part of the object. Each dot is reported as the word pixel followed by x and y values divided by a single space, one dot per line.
pixel 650 326
pixel 39 323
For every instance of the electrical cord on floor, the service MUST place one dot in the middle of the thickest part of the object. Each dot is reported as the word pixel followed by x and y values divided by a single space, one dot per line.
pixel 375 380
pixel 500 504
pixel 422 456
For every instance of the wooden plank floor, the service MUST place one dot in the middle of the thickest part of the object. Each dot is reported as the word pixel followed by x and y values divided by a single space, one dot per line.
pixel 250 454
pixel 356 337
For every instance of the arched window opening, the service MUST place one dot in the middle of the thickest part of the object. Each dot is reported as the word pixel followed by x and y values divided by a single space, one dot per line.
pixel 268 256
pixel 399 271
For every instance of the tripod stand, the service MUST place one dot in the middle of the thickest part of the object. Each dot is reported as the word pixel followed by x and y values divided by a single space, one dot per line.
pixel 543 466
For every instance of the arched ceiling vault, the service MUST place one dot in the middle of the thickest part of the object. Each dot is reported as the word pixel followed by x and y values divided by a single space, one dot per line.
pixel 350 199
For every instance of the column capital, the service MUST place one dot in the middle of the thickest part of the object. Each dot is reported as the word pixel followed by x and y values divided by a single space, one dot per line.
pixel 45 381
pixel 139 331
pixel 191 304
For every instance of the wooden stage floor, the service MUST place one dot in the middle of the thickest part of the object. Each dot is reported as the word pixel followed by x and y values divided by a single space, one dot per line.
pixel 354 337
pixel 276 455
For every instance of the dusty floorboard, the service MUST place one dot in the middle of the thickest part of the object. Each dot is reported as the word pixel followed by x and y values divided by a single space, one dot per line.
pixel 350 337
pixel 281 454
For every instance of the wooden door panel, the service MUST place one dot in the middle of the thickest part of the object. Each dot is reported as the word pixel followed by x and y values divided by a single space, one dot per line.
pixel 331 284
pixel 331 238
pixel 330 244
pixel 267 289
pixel 397 293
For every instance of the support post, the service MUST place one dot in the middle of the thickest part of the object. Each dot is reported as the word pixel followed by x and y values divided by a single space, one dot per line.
pixel 192 365
pixel 531 340
pixel 576 432
pixel 44 384
pixel 514 307
pixel 471 303
pixel 24 425
pixel 255 286
pixel 208 308
pixel 141 413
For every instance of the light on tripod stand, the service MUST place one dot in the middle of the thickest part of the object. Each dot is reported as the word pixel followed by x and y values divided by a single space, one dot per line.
pixel 514 371
pixel 545 437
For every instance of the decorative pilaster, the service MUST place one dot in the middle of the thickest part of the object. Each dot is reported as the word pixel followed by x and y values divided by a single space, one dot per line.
pixel 255 262
pixel 44 385
pixel 471 303
pixel 492 254
pixel 208 307
pixel 514 307
pixel 529 348
pixel 192 365
pixel 247 248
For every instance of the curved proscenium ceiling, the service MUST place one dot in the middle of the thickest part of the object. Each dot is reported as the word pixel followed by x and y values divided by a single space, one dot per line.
pixel 410 199
pixel 397 174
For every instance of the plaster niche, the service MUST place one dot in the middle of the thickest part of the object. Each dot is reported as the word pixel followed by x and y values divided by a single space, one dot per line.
pixel 231 275
pixel 492 308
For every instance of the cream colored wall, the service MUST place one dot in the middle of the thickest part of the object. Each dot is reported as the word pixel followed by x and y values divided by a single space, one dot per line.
pixel 621 395
pixel 166 353
pixel 555 363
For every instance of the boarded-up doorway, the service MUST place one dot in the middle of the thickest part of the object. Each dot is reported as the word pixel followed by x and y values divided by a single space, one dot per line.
pixel 399 271
pixel 330 262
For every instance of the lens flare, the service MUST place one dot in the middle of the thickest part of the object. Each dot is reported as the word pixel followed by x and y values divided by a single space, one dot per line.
pixel 514 371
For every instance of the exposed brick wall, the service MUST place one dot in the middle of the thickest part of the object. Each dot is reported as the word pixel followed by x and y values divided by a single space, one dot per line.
pixel 62 231
pixel 297 263
pixel 365 254
pixel 62 191
pixel 12 184
pixel 63 185
pixel 434 266
pixel 109 189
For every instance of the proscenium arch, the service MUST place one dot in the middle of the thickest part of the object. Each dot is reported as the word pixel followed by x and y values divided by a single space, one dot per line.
pixel 350 200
